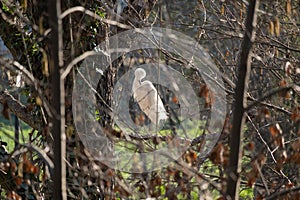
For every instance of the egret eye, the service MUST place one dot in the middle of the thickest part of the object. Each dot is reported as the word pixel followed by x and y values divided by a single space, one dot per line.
pixel 145 94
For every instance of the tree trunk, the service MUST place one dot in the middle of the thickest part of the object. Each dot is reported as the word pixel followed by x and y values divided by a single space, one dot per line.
pixel 58 101
pixel 244 68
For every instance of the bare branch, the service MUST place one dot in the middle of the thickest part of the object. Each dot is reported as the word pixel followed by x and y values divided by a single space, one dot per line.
pixel 282 193
pixel 272 93
pixel 21 111
pixel 16 66
pixel 94 15
pixel 234 167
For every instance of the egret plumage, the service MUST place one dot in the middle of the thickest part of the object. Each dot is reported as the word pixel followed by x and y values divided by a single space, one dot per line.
pixel 145 94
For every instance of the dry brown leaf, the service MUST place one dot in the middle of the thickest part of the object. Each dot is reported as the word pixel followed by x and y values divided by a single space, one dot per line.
pixel 174 99
pixel 296 145
pixel 277 27
pixel 288 7
pixel 217 155
pixel 5 111
pixel 206 94
pixel 275 130
pixel 285 93
pixel 295 114
pixel 271 28
pixel 265 113
pixel 289 68
pixel 252 176
pixel 222 11
pixel 250 146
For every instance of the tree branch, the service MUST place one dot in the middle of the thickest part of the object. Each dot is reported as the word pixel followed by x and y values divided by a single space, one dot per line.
pixel 244 67
pixel 21 111
pixel 282 193
pixel 94 15
pixel 272 93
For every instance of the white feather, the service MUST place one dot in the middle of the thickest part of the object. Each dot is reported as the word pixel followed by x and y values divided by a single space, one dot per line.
pixel 147 98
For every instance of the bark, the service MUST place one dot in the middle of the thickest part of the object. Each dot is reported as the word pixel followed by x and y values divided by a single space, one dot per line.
pixel 105 88
pixel 244 68
pixel 58 100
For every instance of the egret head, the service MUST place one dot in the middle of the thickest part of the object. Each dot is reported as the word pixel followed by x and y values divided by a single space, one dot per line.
pixel 140 73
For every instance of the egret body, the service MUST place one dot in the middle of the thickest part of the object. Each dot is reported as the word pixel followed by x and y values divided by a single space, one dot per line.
pixel 147 97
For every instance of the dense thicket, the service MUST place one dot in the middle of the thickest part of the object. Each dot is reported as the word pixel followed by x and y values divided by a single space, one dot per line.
pixel 271 133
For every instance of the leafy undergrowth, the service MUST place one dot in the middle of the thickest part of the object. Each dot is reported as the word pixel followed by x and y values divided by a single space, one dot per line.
pixel 7 132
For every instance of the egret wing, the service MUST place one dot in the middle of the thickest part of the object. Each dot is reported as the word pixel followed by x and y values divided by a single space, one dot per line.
pixel 150 102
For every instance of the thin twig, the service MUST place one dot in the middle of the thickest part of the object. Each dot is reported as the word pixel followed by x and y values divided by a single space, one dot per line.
pixel 276 195
pixel 94 15
pixel 272 93
pixel 13 66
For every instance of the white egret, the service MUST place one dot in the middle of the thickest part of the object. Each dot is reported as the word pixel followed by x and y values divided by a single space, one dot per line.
pixel 147 98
